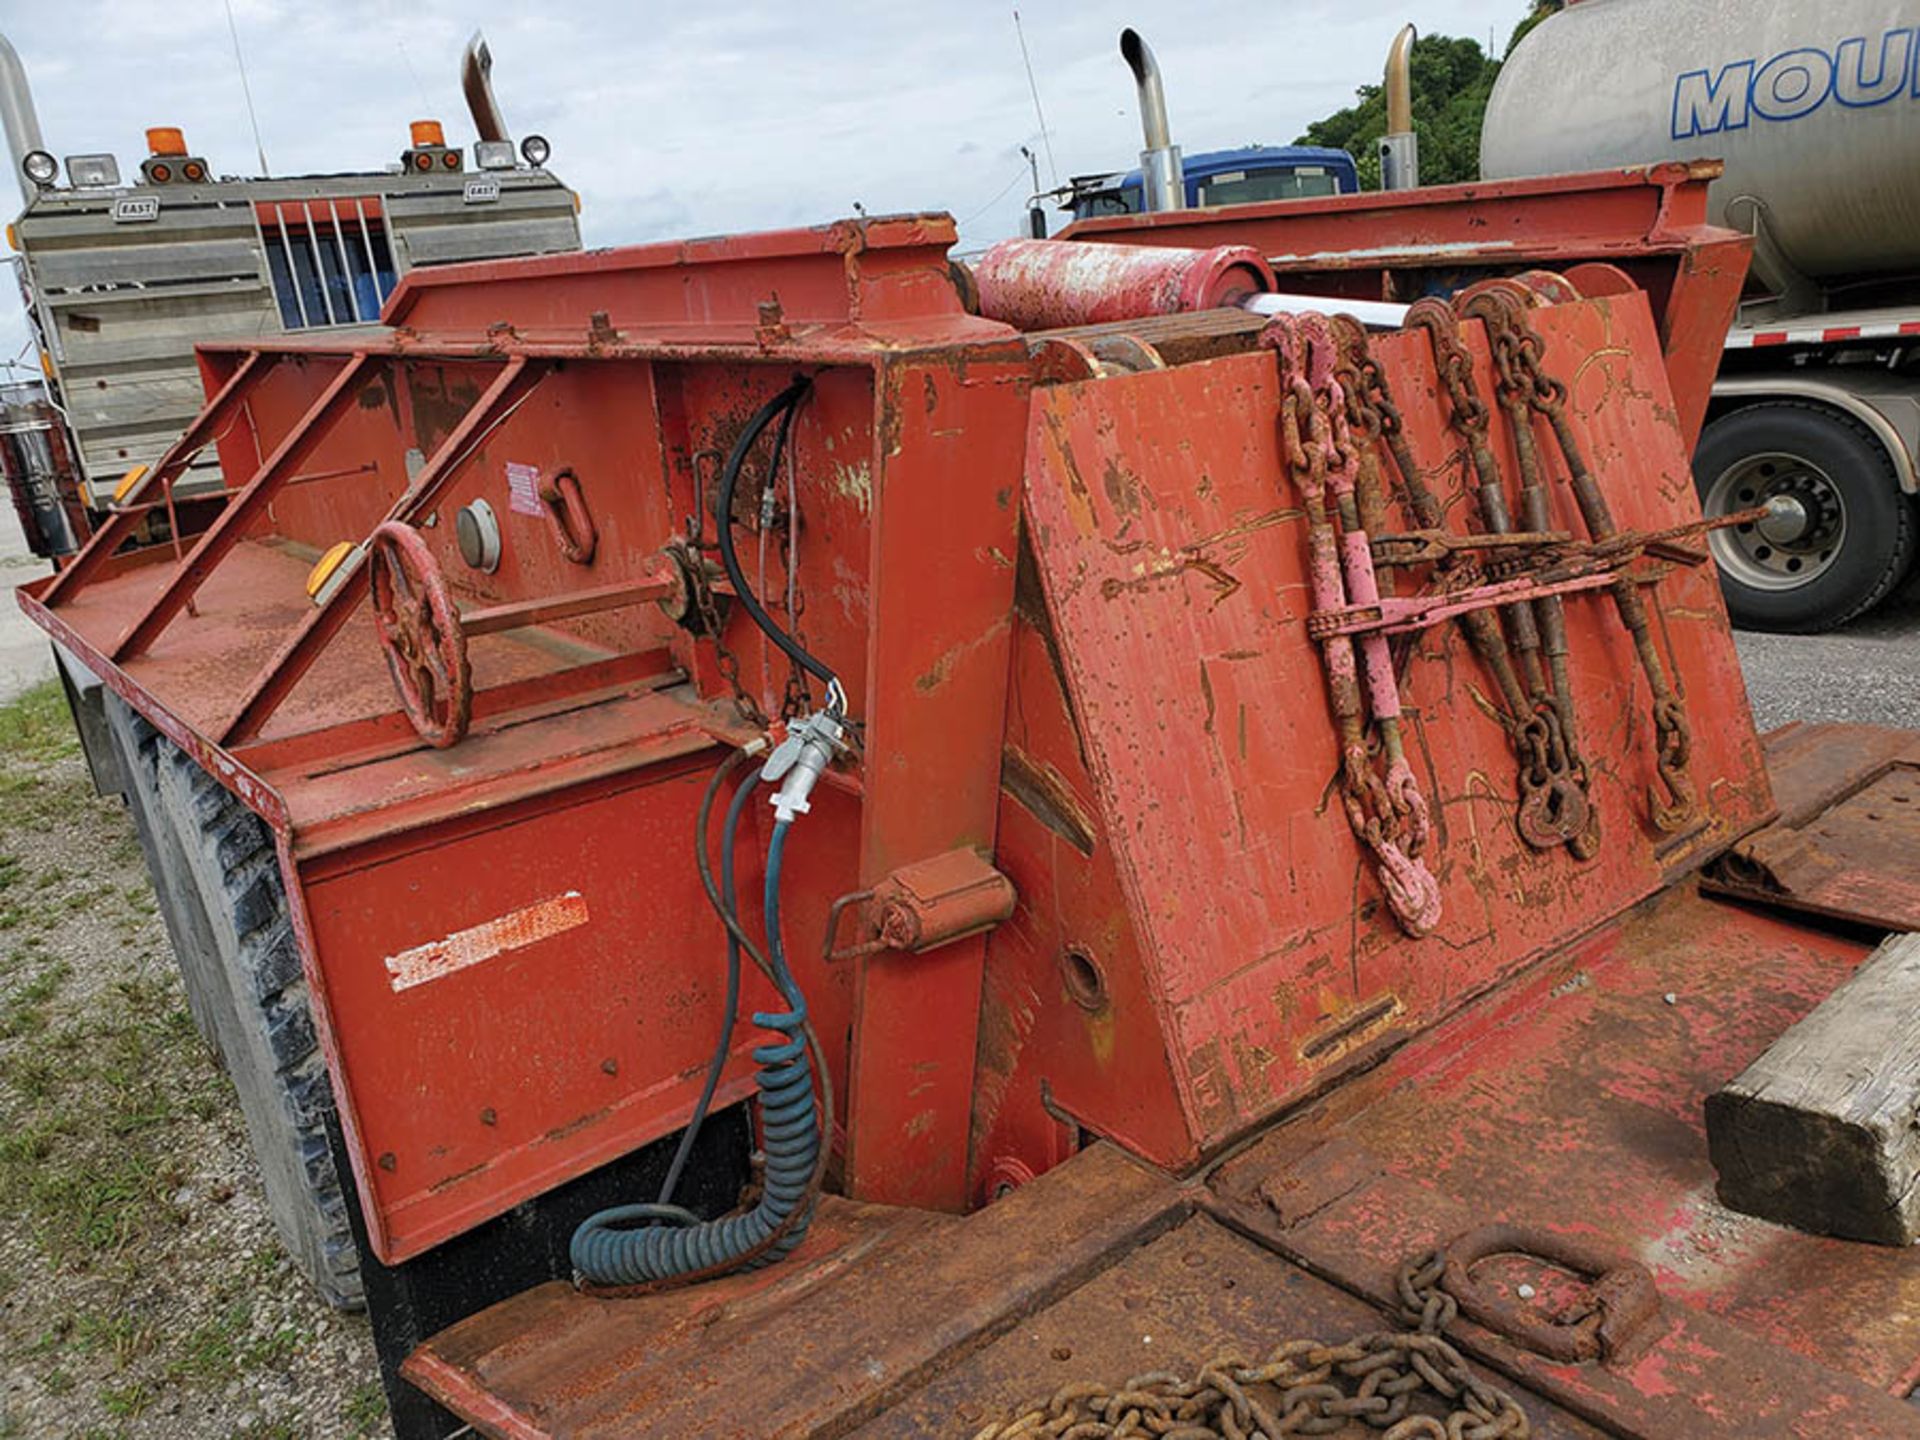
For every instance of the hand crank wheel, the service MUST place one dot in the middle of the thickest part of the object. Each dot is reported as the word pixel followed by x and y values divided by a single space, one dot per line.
pixel 420 634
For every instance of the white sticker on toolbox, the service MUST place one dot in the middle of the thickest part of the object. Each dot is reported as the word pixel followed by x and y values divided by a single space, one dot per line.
pixel 523 489
pixel 515 930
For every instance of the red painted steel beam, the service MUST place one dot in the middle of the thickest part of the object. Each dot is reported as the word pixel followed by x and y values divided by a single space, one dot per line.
pixel 276 681
pixel 1598 215
pixel 543 609
pixel 948 442
pixel 1651 218
pixel 126 519
pixel 226 531
pixel 1700 308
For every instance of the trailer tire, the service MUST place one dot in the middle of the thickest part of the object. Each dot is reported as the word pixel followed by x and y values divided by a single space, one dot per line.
pixel 1847 537
pixel 217 876
pixel 136 746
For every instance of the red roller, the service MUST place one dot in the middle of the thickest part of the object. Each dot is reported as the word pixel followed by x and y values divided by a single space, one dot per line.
pixel 1044 284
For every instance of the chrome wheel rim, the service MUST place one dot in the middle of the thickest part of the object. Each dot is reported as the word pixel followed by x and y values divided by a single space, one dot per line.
pixel 1798 541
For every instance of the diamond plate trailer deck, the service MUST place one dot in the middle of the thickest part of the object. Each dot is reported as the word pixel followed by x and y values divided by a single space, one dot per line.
pixel 1068 581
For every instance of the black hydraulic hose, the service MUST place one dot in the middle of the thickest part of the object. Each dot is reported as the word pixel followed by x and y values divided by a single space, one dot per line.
pixel 609 1252
pixel 612 1260
pixel 783 405
pixel 718 1063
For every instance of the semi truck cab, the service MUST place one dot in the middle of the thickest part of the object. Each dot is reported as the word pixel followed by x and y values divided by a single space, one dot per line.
pixel 1226 177
pixel 123 273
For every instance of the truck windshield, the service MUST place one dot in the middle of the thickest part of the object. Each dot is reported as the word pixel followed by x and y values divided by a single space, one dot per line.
pixel 1241 187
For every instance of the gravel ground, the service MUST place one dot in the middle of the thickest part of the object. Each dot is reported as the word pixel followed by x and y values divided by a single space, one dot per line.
pixel 1868 673
pixel 142 1288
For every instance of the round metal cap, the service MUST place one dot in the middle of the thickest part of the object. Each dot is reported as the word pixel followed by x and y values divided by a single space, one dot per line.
pixel 477 529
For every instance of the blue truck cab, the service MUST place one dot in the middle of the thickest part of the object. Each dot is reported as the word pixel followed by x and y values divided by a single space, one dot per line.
pixel 1227 177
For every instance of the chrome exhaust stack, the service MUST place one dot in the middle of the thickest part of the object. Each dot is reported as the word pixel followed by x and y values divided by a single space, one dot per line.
pixel 18 117
pixel 1164 181
pixel 476 82
pixel 1400 147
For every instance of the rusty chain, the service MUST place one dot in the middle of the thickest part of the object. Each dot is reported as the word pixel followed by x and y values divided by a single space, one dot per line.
pixel 1366 418
pixel 707 607
pixel 1302 1387
pixel 1673 736
pixel 1503 314
pixel 1552 807
pixel 1388 816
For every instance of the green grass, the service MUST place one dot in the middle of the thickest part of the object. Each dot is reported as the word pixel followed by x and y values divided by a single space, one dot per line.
pixel 123 1402
pixel 35 727
pixel 106 1092
pixel 366 1411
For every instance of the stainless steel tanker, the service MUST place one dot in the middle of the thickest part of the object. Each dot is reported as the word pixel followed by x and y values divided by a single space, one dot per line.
pixel 1814 106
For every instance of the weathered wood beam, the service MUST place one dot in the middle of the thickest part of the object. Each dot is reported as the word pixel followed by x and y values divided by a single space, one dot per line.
pixel 1822 1132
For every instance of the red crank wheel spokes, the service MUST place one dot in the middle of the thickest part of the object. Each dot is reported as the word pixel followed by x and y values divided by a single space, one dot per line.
pixel 420 634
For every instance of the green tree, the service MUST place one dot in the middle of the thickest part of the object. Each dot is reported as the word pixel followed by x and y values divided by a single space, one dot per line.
pixel 1451 79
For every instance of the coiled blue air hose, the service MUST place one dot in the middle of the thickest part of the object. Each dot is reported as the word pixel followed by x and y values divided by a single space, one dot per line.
pixel 608 1251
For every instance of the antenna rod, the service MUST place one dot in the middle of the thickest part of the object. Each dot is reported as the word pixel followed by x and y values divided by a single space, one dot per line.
pixel 259 145
pixel 1046 137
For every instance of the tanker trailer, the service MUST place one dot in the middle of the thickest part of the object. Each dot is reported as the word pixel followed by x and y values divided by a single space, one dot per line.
pixel 1814 106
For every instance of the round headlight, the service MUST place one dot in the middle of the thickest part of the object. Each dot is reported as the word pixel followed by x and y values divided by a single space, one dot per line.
pixel 40 167
pixel 534 150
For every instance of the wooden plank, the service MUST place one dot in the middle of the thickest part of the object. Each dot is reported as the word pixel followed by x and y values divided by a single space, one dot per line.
pixel 1821 1132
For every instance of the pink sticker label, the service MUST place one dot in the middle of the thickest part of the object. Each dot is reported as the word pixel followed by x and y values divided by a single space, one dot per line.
pixel 523 489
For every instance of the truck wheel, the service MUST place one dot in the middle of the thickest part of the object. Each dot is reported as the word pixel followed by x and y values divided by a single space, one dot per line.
pixel 219 877
pixel 136 746
pixel 1841 536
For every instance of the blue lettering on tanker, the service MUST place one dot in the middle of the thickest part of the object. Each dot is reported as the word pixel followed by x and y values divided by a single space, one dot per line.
pixel 1795 83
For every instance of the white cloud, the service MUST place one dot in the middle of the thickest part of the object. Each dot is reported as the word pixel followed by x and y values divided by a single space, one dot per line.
pixel 671 120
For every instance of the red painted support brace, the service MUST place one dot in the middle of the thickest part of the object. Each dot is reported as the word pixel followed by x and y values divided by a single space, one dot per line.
pixel 227 530
pixel 110 536
pixel 935 710
pixel 294 659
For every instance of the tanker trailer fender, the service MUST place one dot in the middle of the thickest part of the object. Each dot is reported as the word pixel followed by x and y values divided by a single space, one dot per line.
pixel 1836 462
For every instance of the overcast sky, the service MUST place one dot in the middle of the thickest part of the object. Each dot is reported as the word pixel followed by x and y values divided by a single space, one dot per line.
pixel 683 119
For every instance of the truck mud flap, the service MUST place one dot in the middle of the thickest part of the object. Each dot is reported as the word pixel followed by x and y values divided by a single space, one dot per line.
pixel 1849 826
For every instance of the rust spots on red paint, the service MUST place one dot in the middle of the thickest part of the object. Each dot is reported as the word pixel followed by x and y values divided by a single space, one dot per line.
pixel 1224 583
pixel 574 1127
pixel 1122 487
pixel 1346 1033
pixel 459 1177
pixel 1043 792
pixel 941 671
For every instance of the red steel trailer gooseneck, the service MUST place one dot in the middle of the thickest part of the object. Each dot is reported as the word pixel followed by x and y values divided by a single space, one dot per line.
pixel 1207 882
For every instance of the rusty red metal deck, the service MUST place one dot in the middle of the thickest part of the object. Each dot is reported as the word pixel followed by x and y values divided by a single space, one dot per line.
pixel 1568 1100
pixel 1843 846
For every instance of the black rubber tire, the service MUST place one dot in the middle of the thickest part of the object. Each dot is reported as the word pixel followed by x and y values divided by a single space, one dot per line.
pixel 1878 548
pixel 217 876
pixel 136 748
